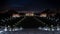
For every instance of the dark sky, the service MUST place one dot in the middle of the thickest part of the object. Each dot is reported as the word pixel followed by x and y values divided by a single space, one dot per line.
pixel 30 4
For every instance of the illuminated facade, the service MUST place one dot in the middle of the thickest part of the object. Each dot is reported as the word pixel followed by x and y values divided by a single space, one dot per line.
pixel 29 14
pixel 43 15
pixel 15 15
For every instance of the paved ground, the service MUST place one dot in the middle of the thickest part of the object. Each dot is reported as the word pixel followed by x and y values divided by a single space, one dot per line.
pixel 31 31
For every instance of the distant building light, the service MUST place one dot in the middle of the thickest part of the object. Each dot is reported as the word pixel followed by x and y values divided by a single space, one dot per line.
pixel 15 15
pixel 29 14
pixel 53 14
pixel 43 15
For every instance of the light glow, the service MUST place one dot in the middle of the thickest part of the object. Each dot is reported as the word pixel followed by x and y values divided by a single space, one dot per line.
pixel 43 15
pixel 15 15
pixel 29 14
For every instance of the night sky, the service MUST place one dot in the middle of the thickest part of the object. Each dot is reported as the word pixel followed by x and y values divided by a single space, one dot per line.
pixel 30 4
